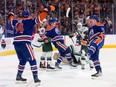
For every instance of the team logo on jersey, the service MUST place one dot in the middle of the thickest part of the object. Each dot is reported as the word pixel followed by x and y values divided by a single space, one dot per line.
pixel 91 32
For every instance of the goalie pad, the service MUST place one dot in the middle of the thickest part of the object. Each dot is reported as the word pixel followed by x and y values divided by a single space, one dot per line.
pixel 56 56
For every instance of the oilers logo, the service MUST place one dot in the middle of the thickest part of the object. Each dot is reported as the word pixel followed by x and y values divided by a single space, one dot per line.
pixel 91 33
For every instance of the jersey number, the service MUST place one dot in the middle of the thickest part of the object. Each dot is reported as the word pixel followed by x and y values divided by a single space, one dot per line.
pixel 19 28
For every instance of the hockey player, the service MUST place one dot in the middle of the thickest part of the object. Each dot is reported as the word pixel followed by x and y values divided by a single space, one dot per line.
pixel 46 55
pixel 24 28
pixel 81 42
pixel 58 41
pixel 2 41
pixel 82 39
pixel 46 50
pixel 96 36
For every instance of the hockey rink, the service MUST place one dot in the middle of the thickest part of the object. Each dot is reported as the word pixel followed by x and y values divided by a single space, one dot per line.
pixel 67 77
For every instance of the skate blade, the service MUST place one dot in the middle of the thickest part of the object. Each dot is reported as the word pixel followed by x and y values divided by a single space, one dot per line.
pixel 82 68
pixel 37 84
pixel 42 69
pixel 96 78
pixel 91 68
pixel 21 82
pixel 50 70
pixel 57 69
pixel 71 67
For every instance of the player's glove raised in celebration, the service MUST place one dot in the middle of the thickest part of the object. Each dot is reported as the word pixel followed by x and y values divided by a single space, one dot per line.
pixel 3 44
pixel 50 8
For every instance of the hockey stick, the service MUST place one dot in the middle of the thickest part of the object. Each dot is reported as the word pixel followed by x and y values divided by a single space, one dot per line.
pixel 36 46
pixel 44 3
pixel 77 31
pixel 72 40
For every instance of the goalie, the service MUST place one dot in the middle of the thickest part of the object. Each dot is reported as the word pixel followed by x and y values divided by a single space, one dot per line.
pixel 80 50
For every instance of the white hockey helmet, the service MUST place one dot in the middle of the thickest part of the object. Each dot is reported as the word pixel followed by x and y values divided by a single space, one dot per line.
pixel 79 25
pixel 42 31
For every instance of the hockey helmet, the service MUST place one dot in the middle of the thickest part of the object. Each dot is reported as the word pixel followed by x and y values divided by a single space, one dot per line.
pixel 42 31
pixel 94 17
pixel 51 20
pixel 26 13
pixel 79 25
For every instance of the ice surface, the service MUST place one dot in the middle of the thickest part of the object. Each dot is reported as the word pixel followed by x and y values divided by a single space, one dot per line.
pixel 67 77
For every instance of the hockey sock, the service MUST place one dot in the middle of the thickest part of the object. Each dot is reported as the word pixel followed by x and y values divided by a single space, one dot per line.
pixel 49 59
pixel 59 60
pixel 68 56
pixel 97 65
pixel 42 60
pixel 34 68
pixel 21 69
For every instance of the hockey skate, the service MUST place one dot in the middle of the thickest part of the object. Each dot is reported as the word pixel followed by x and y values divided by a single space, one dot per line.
pixel 49 67
pixel 57 66
pixel 36 80
pixel 42 65
pixel 83 66
pixel 98 74
pixel 72 64
pixel 19 79
pixel 91 66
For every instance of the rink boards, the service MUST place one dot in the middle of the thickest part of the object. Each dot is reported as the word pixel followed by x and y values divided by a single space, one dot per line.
pixel 110 42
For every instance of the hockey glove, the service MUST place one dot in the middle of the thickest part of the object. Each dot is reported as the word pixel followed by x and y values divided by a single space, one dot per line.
pixel 3 44
pixel 45 39
pixel 49 8
pixel 84 42
pixel 71 35
pixel 40 40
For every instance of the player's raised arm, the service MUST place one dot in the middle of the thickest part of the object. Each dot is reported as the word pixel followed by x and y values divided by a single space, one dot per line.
pixel 43 15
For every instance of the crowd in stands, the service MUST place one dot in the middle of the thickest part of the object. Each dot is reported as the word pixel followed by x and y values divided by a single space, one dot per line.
pixel 80 9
